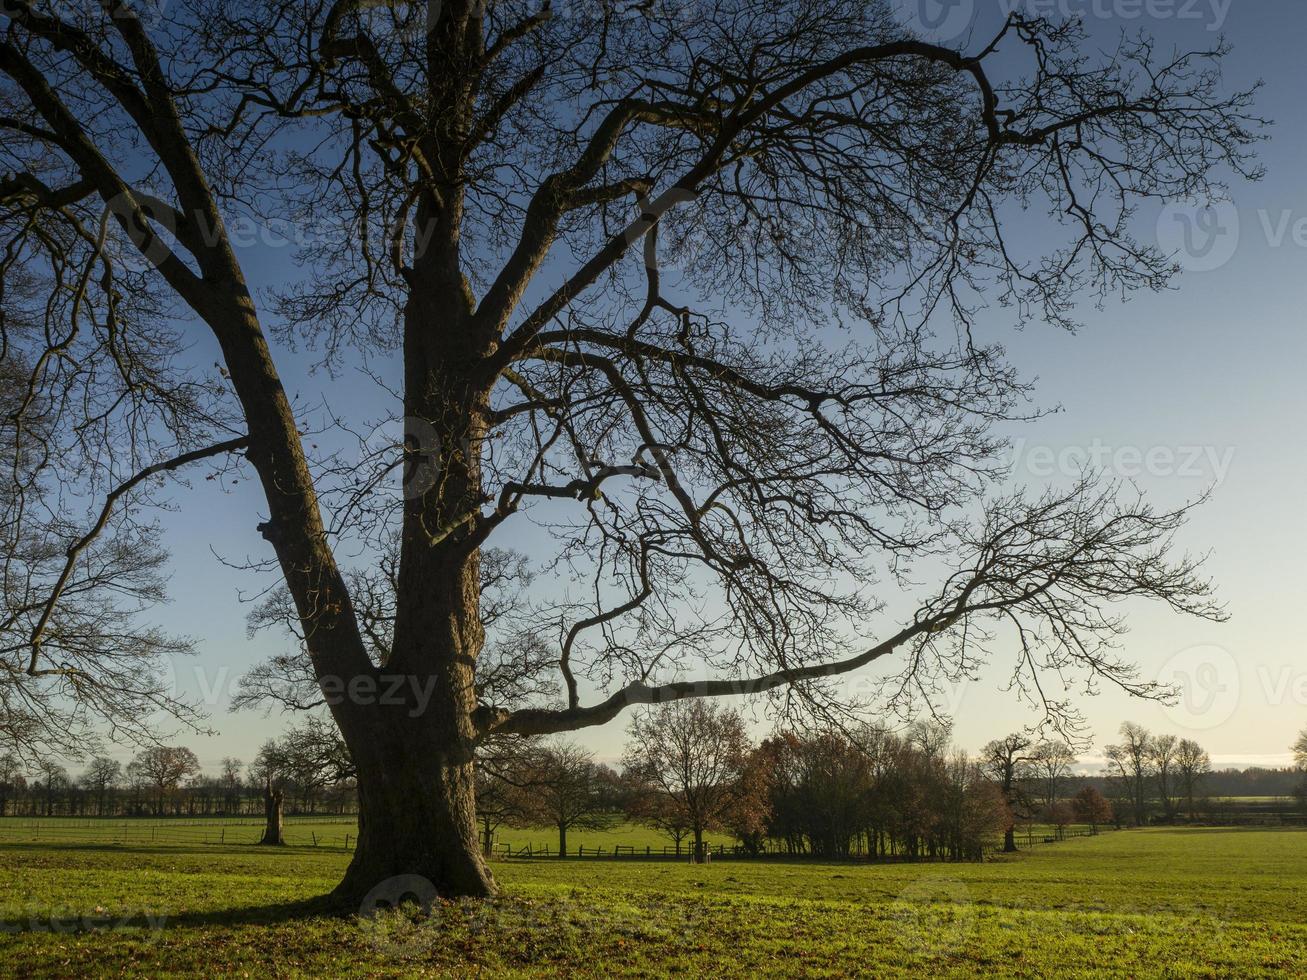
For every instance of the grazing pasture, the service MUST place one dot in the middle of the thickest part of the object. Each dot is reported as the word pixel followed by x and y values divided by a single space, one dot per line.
pixel 1156 902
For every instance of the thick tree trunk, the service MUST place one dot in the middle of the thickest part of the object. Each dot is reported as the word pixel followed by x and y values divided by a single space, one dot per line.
pixel 1010 840
pixel 272 816
pixel 417 817
pixel 699 856
pixel 562 840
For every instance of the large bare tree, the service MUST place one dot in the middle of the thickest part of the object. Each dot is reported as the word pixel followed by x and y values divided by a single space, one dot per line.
pixel 691 289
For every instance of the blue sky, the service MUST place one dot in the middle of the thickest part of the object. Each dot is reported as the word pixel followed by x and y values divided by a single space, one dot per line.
pixel 1197 387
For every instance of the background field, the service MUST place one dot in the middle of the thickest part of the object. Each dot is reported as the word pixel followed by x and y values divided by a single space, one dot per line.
pixel 1164 902
pixel 329 832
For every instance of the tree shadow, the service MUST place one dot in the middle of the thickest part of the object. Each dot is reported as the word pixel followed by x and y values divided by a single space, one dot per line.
pixel 318 907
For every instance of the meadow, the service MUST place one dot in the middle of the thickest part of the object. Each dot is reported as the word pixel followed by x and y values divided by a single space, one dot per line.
pixel 1154 902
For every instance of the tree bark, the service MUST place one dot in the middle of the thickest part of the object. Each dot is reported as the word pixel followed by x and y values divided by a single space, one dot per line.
pixel 272 816
pixel 698 846
pixel 1009 840
pixel 417 811
pixel 562 840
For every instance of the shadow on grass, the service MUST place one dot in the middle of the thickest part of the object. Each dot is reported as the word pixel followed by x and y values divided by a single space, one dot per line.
pixel 164 848
pixel 63 921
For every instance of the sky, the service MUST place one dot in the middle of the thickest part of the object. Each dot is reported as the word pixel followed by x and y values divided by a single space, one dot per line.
pixel 1193 389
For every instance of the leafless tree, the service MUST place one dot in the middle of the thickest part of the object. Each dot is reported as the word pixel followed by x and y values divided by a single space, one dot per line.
pixel 1161 759
pixel 1192 763
pixel 737 460
pixel 1007 761
pixel 1050 763
pixel 693 754
pixel 101 775
pixel 1131 763
pixel 566 789
pixel 11 779
pixel 163 768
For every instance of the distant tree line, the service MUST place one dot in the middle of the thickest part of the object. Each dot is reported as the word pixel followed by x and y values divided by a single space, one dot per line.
pixel 690 770
pixel 166 781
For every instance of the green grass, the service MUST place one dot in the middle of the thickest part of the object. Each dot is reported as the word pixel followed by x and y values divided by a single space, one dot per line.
pixel 337 832
pixel 1158 902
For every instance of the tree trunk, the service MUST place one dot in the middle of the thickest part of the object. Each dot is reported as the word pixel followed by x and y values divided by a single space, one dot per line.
pixel 417 815
pixel 562 840
pixel 699 857
pixel 1010 839
pixel 272 804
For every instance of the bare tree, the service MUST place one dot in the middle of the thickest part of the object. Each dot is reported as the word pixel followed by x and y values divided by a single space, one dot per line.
pixel 1192 763
pixel 1092 808
pixel 1162 760
pixel 566 789
pixel 101 775
pixel 1131 761
pixel 1051 763
pixel 694 755
pixel 163 768
pixel 230 782
pixel 1007 762
pixel 307 758
pixel 503 782
pixel 506 178
pixel 52 779
pixel 12 780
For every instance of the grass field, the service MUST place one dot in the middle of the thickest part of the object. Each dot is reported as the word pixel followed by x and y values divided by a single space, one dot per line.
pixel 337 832
pixel 1158 902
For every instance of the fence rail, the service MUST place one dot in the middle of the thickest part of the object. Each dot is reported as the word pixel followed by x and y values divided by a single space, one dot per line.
pixel 308 831
pixel 340 832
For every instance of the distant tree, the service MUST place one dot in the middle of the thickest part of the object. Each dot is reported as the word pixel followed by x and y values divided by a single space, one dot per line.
pixel 53 780
pixel 694 754
pixel 101 775
pixel 1162 759
pixel 1300 750
pixel 1131 763
pixel 1007 761
pixel 307 758
pixel 1192 765
pixel 230 783
pixel 568 790
pixel 1051 762
pixel 746 816
pixel 270 771
pixel 970 808
pixel 11 779
pixel 1092 808
pixel 1060 814
pixel 503 779
pixel 163 768
pixel 646 804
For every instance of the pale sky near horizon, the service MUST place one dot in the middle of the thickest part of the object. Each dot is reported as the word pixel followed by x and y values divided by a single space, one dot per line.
pixel 1199 387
